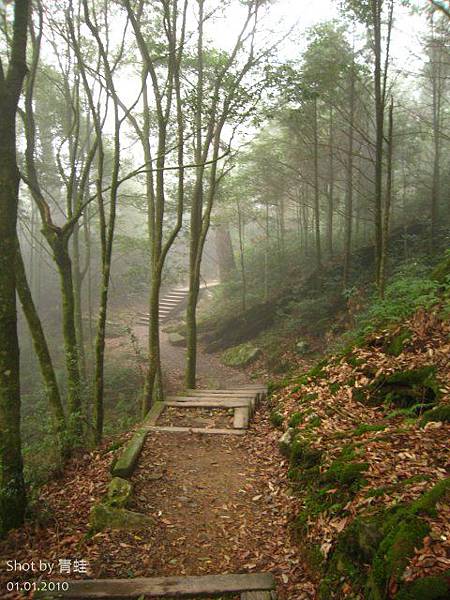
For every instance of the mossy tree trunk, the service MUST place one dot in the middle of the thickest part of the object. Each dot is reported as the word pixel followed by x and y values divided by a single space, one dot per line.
pixel 168 101
pixel 154 358
pixel 380 86
pixel 60 246
pixel 316 184
pixel 59 237
pixel 225 255
pixel 211 121
pixel 43 354
pixel 436 59
pixel 12 487
pixel 107 221
pixel 196 215
pixel 387 201
pixel 78 276
pixel 330 184
pixel 349 183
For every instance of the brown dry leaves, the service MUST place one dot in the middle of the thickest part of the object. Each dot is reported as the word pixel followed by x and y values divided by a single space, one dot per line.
pixel 400 452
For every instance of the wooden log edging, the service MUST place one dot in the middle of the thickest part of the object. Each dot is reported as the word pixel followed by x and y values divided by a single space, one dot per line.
pixel 127 461
pixel 163 587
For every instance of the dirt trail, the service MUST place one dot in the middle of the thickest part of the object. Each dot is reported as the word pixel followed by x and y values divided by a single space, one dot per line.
pixel 219 504
pixel 211 373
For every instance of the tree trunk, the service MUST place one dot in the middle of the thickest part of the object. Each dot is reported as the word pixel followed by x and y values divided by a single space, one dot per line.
pixel 316 187
pixel 376 6
pixel 436 106
pixel 388 200
pixel 43 355
pixel 12 487
pixel 266 253
pixel 78 280
pixel 196 218
pixel 225 255
pixel 74 400
pixel 191 323
pixel 241 258
pixel 330 188
pixel 154 358
pixel 349 190
pixel 380 81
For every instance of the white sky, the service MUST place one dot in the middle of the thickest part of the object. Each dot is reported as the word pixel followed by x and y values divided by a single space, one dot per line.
pixel 304 14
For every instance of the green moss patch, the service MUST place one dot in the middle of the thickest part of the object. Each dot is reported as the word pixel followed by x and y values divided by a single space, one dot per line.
pixel 427 588
pixel 103 517
pixel 119 492
pixel 365 428
pixel 240 356
pixel 334 387
pixel 176 339
pixel 374 549
pixel 402 389
pixel 442 270
pixel 394 345
pixel 295 419
pixel 302 455
pixel 426 504
pixel 439 413
pixel 276 419
pixel 394 552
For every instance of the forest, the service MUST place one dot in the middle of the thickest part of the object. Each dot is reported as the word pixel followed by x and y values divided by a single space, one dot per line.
pixel 225 299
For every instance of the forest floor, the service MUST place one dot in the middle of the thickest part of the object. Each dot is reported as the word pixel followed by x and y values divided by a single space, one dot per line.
pixel 219 504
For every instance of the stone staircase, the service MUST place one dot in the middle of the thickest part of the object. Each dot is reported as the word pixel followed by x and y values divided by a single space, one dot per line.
pixel 170 304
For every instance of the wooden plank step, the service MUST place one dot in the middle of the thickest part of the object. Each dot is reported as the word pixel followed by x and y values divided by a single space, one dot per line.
pixel 242 388
pixel 218 401
pixel 163 587
pixel 241 418
pixel 195 430
pixel 220 393
pixel 261 595
pixel 244 399
pixel 215 397
pixel 207 403
pixel 230 390
pixel 249 386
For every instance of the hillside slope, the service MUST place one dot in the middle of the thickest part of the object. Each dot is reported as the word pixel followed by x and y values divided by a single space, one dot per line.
pixel 366 434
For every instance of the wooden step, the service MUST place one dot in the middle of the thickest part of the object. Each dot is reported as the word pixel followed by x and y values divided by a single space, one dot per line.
pixel 241 418
pixel 195 430
pixel 215 401
pixel 251 390
pixel 164 587
pixel 261 595
pixel 220 393
pixel 206 403
pixel 244 399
